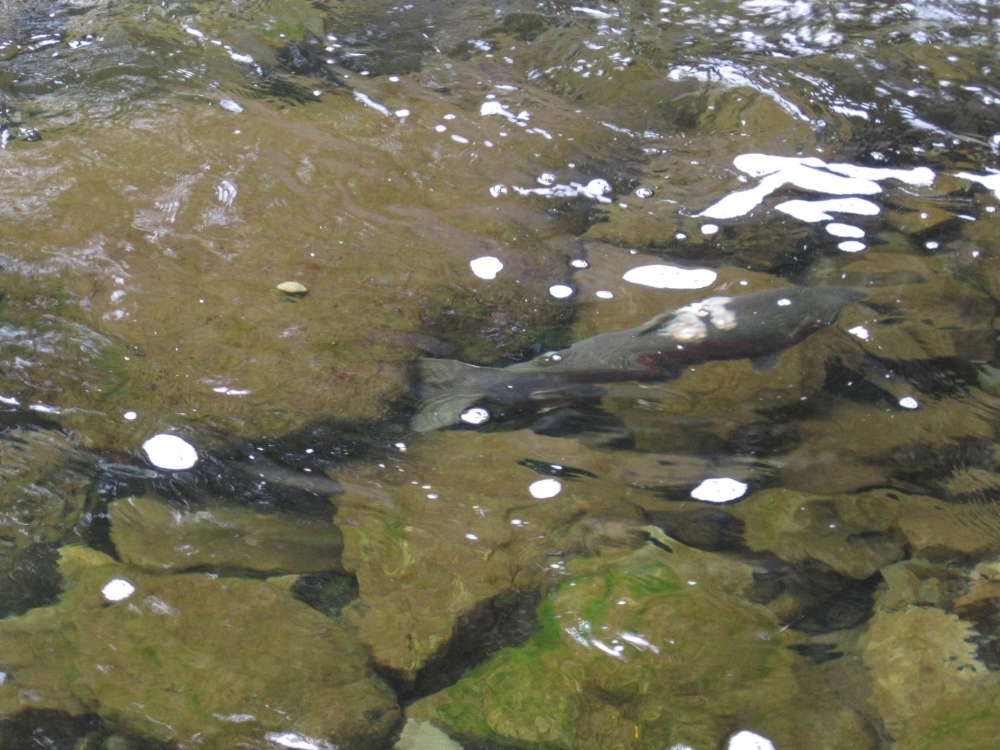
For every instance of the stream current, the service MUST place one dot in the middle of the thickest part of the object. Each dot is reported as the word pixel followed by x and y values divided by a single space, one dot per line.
pixel 218 525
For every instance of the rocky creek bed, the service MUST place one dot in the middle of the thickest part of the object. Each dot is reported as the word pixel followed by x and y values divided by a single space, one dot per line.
pixel 802 552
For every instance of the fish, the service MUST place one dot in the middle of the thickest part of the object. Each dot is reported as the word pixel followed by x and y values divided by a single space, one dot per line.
pixel 757 326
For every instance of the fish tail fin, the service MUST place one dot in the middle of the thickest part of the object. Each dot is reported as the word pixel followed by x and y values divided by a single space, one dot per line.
pixel 446 388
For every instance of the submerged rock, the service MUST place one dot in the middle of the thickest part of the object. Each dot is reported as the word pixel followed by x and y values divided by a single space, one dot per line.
pixel 151 534
pixel 650 651
pixel 918 659
pixel 467 538
pixel 854 535
pixel 919 582
pixel 44 483
pixel 422 735
pixel 192 660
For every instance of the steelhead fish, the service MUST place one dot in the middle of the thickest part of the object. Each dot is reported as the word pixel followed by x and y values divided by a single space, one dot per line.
pixel 718 328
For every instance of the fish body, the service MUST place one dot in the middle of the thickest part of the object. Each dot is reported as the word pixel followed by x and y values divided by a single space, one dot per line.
pixel 717 328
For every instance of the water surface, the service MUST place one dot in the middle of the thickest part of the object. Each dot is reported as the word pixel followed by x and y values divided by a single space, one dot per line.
pixel 793 553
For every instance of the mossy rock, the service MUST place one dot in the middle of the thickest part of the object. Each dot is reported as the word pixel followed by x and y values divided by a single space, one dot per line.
pixel 44 482
pixel 652 651
pixel 854 535
pixel 192 659
pixel 464 531
pixel 924 670
pixel 153 535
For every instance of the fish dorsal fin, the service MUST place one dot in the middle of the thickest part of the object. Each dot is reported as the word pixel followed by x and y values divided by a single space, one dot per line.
pixel 655 323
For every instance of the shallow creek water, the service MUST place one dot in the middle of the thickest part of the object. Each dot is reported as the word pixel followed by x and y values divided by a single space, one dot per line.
pixel 796 552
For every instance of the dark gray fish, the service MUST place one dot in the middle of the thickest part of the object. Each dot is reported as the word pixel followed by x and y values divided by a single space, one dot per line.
pixel 749 326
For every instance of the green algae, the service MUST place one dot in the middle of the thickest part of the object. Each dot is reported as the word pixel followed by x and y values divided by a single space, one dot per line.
pixel 581 683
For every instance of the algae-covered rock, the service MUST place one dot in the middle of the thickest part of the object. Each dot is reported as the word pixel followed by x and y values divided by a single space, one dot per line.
pixel 191 660
pixel 651 651
pixel 422 735
pixel 893 332
pixel 863 437
pixel 852 534
pixel 938 530
pixel 918 658
pixel 920 582
pixel 44 479
pixel 151 534
pixel 466 532
pixel 967 720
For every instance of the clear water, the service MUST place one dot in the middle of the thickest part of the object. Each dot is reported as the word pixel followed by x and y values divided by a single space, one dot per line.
pixel 798 551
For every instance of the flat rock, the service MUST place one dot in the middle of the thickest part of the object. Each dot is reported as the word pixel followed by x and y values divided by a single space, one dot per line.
pixel 852 534
pixel 918 658
pixel 151 534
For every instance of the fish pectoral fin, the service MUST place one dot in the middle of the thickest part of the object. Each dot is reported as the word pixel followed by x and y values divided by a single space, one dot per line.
pixel 766 362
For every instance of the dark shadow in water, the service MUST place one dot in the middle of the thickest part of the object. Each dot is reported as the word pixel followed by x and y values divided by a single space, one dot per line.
pixel 505 621
pixel 827 600
pixel 55 730
pixel 328 593
pixel 31 579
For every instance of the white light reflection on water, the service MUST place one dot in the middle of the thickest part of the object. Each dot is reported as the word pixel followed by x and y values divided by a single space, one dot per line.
pixel 746 740
pixel 475 416
pixel 988 181
pixel 494 107
pixel 597 189
pixel 226 192
pixel 851 246
pixel 235 718
pixel 660 276
pixel 544 489
pixel 486 267
pixel 45 409
pixel 719 490
pixel 117 589
pixel 811 174
pixel 837 229
pixel 582 631
pixel 297 741
pixel 813 211
pixel 733 76
pixel 170 452
pixel 369 102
